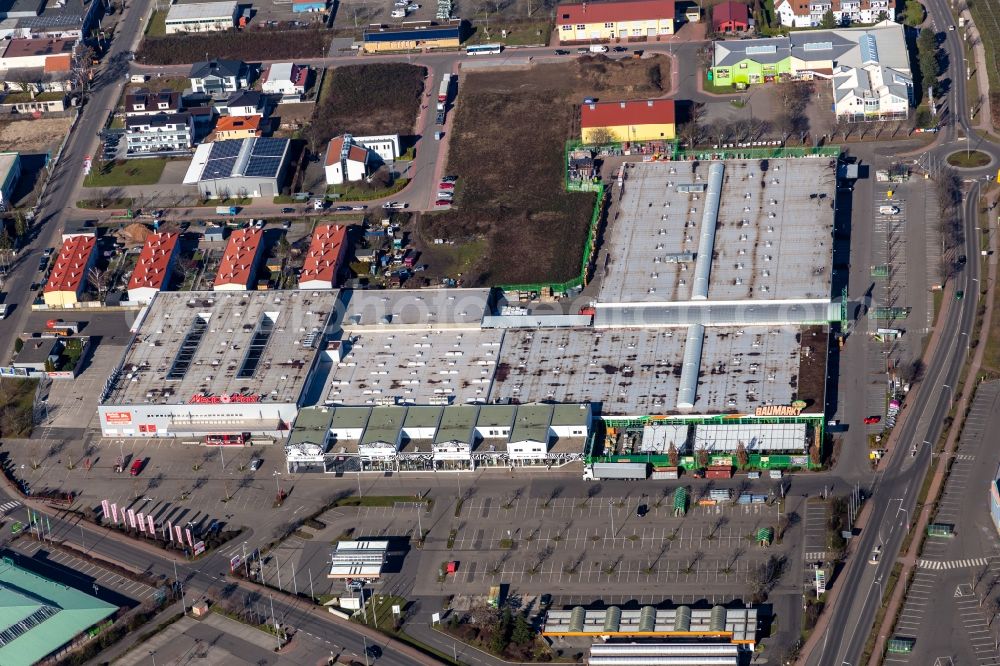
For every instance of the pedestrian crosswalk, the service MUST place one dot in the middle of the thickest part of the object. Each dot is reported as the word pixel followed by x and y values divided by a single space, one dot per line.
pixel 8 507
pixel 965 457
pixel 953 564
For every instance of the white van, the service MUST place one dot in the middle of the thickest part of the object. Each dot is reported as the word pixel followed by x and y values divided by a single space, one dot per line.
pixel 139 78
pixel 598 48
pixel 319 204
pixel 398 13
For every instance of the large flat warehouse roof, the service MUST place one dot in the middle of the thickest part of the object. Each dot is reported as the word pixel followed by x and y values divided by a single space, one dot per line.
pixel 631 372
pixel 249 343
pixel 772 238
pixel 418 367
pixel 416 309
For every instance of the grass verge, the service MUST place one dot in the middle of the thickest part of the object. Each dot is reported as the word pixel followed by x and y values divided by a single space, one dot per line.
pixel 127 172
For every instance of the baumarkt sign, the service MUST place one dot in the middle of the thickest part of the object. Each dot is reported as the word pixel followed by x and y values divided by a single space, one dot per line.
pixel 778 410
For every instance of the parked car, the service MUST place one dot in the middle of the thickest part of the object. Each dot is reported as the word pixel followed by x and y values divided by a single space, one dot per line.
pixel 48 252
pixel 287 224
pixel 255 464
pixel 445 185
pixel 42 263
pixel 619 49
pixel 445 195
pixel 287 211
pixel 440 118
pixel 872 420
pixel 449 179
pixel 359 207
pixel 395 205
pixel 562 52
pixel 443 202
pixel 876 555
pixel 342 209
pixel 641 510
pixel 583 50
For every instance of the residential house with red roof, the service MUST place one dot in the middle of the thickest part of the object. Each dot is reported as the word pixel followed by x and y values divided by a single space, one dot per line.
pixel 348 161
pixel 635 120
pixel 630 20
pixel 239 262
pixel 152 270
pixel 69 275
pixel 730 17
pixel 325 257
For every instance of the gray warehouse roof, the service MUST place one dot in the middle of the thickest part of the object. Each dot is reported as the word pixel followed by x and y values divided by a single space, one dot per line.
pixel 220 343
pixel 772 242
pixel 631 372
pixel 417 309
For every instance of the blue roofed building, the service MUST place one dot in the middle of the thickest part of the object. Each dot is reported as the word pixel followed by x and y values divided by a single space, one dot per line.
pixel 413 36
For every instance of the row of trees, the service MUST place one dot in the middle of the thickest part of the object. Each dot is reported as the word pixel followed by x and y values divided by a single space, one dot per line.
pixel 927 58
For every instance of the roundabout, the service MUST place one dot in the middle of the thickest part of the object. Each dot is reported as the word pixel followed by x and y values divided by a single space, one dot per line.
pixel 969 159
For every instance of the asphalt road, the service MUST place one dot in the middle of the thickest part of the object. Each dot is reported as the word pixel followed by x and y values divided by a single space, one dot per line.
pixel 57 203
pixel 862 584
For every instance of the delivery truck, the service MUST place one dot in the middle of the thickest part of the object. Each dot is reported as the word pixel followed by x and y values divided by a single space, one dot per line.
pixel 226 210
pixel 443 88
pixel 625 471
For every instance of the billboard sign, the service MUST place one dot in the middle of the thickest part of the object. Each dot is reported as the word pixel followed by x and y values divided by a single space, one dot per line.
pixel 199 547
pixel 232 398
pixel 188 534
pixel 177 532
pixel 118 418
pixel 105 508
pixel 170 530
pixel 131 518
pixel 141 519
pixel 149 522
pixel 234 562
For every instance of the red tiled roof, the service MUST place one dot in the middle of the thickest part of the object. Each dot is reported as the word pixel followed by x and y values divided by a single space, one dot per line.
pixel 70 270
pixel 603 12
pixel 59 63
pixel 725 12
pixel 151 270
pixel 238 260
pixel 300 75
pixel 355 154
pixel 635 112
pixel 325 255
pixel 231 123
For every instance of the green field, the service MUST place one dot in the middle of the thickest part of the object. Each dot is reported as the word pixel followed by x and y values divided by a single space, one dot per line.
pixel 127 172
pixel 986 15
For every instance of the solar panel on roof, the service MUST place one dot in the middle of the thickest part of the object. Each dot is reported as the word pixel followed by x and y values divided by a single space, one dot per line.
pixel 222 149
pixel 263 166
pixel 221 168
pixel 269 147
pixel 820 46
pixel 761 49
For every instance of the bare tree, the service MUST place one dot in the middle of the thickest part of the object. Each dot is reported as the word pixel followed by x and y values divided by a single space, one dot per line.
pixel 99 280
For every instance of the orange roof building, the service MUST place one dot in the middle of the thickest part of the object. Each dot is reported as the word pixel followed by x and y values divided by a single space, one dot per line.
pixel 636 120
pixel 607 21
pixel 69 275
pixel 239 262
pixel 152 271
pixel 325 257
pixel 237 127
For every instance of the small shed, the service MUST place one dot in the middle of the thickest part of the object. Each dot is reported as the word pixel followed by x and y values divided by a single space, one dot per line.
pixel 214 234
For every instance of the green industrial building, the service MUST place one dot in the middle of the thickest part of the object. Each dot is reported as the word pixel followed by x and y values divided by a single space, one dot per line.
pixel 38 616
